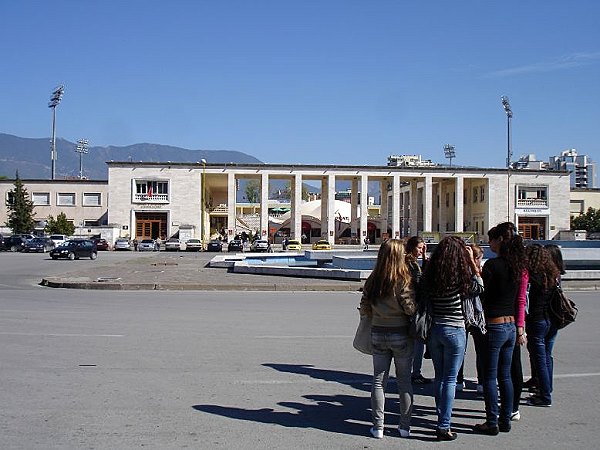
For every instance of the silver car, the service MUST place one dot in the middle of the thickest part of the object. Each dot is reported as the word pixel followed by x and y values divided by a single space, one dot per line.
pixel 122 244
pixel 148 245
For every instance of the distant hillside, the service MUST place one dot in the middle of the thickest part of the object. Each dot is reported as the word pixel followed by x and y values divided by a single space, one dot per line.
pixel 31 157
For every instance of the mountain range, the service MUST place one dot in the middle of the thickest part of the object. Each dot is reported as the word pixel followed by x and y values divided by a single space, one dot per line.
pixel 31 157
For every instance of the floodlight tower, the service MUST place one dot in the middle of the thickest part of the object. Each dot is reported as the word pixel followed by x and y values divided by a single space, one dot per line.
pixel 82 148
pixel 509 115
pixel 53 103
pixel 449 152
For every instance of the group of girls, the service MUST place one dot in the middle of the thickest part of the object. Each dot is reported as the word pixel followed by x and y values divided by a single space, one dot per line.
pixel 453 278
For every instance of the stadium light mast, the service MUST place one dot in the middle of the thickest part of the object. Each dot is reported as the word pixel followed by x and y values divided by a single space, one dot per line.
pixel 509 115
pixel 53 103
pixel 82 149
pixel 449 152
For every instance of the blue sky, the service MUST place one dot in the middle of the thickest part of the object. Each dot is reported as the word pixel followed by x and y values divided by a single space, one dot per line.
pixel 309 82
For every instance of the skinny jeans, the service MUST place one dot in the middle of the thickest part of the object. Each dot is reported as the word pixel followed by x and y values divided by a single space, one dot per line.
pixel 399 347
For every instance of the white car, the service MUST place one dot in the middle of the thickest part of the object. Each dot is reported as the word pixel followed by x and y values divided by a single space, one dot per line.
pixel 58 239
pixel 173 245
pixel 148 245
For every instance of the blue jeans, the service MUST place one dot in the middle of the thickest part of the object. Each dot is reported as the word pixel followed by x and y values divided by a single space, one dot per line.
pixel 418 357
pixel 500 342
pixel 400 348
pixel 540 341
pixel 447 347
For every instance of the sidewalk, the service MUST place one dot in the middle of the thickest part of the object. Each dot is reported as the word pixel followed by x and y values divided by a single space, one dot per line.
pixel 180 271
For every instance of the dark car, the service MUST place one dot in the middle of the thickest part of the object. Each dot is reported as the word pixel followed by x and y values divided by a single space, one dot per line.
pixel 101 244
pixel 15 243
pixel 214 246
pixel 75 249
pixel 39 244
pixel 235 245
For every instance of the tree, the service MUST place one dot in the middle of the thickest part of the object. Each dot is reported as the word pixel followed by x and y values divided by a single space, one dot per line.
pixel 253 191
pixel 21 218
pixel 60 225
pixel 590 221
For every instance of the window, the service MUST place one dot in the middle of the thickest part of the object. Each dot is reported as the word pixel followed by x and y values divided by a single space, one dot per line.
pixel 447 199
pixel 482 193
pixel 475 195
pixel 90 223
pixel 92 199
pixel 151 187
pixel 40 198
pixel 66 199
pixel 10 198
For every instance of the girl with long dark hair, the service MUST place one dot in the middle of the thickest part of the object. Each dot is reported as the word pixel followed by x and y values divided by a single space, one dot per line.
pixel 451 275
pixel 502 277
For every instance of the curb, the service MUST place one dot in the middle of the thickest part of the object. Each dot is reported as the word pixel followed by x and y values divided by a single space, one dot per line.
pixel 93 285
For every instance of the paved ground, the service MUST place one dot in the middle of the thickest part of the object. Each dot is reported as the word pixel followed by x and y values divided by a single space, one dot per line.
pixel 176 271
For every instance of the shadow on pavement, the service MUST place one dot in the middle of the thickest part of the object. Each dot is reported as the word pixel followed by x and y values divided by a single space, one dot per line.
pixel 345 414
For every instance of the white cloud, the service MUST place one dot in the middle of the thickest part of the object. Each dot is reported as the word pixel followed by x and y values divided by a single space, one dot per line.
pixel 564 62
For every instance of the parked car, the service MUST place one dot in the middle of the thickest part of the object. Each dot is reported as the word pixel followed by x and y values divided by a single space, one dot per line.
pixel 15 243
pixel 58 239
pixel 101 244
pixel 214 246
pixel 294 245
pixel 321 245
pixel 235 245
pixel 39 244
pixel 123 244
pixel 148 245
pixel 75 249
pixel 261 245
pixel 193 245
pixel 172 245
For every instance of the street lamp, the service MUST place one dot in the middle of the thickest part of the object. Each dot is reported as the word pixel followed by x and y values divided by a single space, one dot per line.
pixel 509 115
pixel 82 148
pixel 203 205
pixel 449 152
pixel 53 103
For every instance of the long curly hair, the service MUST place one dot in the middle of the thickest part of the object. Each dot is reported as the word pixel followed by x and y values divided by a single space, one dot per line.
pixel 390 271
pixel 557 257
pixel 541 265
pixel 448 268
pixel 511 247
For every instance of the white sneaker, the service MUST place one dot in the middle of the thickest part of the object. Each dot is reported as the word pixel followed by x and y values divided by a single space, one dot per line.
pixel 516 416
pixel 480 389
pixel 376 433
pixel 404 433
pixel 460 386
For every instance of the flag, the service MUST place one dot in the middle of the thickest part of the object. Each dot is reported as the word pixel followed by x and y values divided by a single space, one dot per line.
pixel 149 189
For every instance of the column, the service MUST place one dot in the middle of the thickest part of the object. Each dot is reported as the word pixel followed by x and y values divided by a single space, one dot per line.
pixel 354 209
pixel 331 231
pixel 231 200
pixel 459 209
pixel 364 211
pixel 264 205
pixel 395 207
pixel 384 207
pixel 427 202
pixel 296 214
pixel 413 206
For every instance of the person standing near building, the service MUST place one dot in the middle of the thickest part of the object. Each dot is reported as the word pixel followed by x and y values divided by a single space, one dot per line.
pixel 501 276
pixel 415 249
pixel 452 274
pixel 388 299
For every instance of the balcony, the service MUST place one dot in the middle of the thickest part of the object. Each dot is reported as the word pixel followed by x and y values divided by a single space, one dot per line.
pixel 154 198
pixel 532 203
